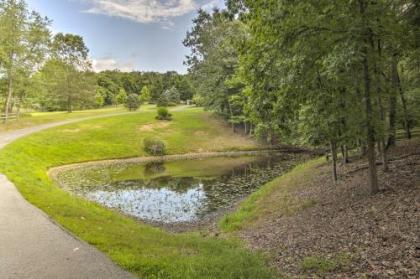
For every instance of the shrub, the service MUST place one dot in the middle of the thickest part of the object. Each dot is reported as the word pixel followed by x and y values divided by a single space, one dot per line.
pixel 198 100
pixel 154 146
pixel 163 114
pixel 170 97
pixel 132 102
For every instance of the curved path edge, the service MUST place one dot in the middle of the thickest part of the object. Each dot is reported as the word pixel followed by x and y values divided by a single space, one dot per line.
pixel 34 246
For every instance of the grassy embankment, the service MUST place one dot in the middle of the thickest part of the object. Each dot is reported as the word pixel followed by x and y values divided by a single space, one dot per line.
pixel 273 197
pixel 146 251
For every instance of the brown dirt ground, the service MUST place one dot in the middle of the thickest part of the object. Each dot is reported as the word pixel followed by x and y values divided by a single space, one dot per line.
pixel 366 236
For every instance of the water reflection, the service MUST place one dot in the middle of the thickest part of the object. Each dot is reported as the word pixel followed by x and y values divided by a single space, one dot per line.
pixel 173 192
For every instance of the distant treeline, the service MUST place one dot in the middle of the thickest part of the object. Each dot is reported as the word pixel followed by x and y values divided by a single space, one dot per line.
pixel 43 72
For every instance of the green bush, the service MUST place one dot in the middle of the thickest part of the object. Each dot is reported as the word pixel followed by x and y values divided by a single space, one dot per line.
pixel 132 102
pixel 154 146
pixel 163 114
pixel 170 97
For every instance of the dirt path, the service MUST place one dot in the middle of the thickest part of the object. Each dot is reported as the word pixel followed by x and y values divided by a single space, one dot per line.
pixel 32 245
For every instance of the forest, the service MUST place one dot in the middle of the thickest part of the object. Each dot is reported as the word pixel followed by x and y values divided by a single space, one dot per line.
pixel 336 74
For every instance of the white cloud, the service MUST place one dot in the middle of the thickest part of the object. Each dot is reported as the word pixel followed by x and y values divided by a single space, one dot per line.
pixel 109 63
pixel 144 11
pixel 209 6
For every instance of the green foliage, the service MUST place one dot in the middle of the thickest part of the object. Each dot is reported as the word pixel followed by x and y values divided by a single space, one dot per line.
pixel 256 62
pixel 213 41
pixel 66 88
pixel 132 102
pixel 198 100
pixel 154 146
pixel 24 41
pixel 170 97
pixel 145 95
pixel 163 114
pixel 149 85
pixel 121 98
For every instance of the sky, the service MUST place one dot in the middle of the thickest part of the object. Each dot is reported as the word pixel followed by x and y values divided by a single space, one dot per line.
pixel 140 35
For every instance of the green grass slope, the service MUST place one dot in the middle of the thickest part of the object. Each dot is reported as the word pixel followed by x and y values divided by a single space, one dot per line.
pixel 146 251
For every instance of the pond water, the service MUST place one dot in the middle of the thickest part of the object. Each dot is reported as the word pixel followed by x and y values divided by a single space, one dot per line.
pixel 179 191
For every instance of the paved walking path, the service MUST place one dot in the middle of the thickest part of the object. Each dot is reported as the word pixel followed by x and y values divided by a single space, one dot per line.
pixel 33 246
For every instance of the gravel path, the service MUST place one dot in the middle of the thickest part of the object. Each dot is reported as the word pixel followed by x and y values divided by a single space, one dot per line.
pixel 33 246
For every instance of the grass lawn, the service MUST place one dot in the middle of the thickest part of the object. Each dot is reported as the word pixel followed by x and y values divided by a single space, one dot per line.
pixel 146 251
pixel 38 118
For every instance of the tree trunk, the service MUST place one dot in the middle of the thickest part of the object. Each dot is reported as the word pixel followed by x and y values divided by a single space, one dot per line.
pixel 69 107
pixel 18 109
pixel 393 104
pixel 8 99
pixel 405 110
pixel 345 154
pixel 383 152
pixel 370 139
pixel 333 146
pixel 381 141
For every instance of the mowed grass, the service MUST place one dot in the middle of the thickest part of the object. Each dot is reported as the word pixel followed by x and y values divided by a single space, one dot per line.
pixel 146 251
pixel 29 119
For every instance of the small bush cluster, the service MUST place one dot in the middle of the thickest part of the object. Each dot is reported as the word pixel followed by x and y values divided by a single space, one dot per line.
pixel 132 102
pixel 154 146
pixel 163 114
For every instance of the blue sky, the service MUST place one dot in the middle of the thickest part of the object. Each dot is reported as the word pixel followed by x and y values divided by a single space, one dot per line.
pixel 144 35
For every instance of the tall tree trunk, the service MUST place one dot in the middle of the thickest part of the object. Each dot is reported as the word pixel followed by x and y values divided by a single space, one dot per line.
pixel 393 104
pixel 8 98
pixel 373 176
pixel 69 107
pixel 370 139
pixel 333 146
pixel 18 109
pixel 69 94
pixel 381 138
pixel 405 110
pixel 345 154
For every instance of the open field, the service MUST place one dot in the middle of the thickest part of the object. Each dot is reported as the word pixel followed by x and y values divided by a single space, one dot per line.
pixel 146 251
pixel 37 118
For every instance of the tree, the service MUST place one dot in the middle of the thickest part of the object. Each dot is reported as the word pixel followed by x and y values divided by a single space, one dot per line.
pixel 145 95
pixel 170 97
pixel 100 96
pixel 66 87
pixel 215 40
pixel 24 39
pixel 70 59
pixel 256 62
pixel 121 97
pixel 132 102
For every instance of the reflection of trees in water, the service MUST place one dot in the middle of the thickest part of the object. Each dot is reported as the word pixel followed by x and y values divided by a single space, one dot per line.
pixel 218 193
pixel 154 168
pixel 242 181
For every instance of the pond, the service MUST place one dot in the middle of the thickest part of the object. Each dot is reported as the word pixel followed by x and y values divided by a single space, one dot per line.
pixel 183 191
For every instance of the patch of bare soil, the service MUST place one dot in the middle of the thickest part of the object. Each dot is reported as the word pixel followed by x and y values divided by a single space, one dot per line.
pixel 154 126
pixel 349 232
